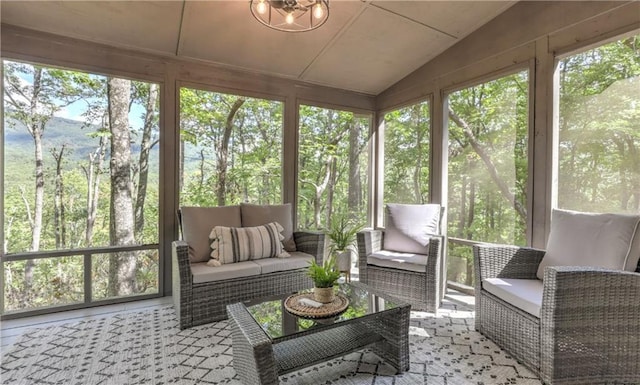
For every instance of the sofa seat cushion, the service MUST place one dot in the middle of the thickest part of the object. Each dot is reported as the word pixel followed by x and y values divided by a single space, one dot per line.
pixel 397 260
pixel 197 222
pixel 525 294
pixel 204 273
pixel 408 228
pixel 297 260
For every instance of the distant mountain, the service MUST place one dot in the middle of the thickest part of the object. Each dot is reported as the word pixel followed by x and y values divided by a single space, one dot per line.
pixel 57 132
pixel 19 150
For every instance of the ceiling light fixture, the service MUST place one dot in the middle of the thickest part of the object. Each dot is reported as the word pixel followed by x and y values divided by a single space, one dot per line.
pixel 290 15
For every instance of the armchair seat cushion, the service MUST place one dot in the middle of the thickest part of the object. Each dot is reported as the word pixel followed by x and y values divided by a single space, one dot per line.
pixel 204 273
pixel 525 294
pixel 398 260
pixel 297 260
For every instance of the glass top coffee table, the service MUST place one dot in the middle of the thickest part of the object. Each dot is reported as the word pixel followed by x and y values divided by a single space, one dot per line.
pixel 269 341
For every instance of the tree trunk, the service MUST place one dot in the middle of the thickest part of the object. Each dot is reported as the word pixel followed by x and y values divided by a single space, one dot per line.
pixel 92 173
pixel 146 146
pixel 332 165
pixel 122 266
pixel 58 201
pixel 223 153
pixel 181 167
pixel 635 172
pixel 202 170
pixel 355 184
pixel 462 217
pixel 320 189
pixel 36 129
pixel 417 171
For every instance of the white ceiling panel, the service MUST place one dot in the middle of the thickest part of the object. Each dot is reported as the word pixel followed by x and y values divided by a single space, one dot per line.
pixel 365 46
pixel 456 18
pixel 151 26
pixel 378 49
pixel 227 33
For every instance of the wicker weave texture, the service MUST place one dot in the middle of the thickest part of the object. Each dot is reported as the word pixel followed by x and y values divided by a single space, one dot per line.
pixel 420 289
pixel 203 303
pixel 589 326
pixel 258 360
pixel 253 358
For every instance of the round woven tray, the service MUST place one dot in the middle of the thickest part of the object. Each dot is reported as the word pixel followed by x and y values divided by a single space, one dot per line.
pixel 293 306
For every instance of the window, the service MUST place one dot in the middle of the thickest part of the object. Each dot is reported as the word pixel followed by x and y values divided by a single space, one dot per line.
pixel 231 149
pixel 407 154
pixel 599 129
pixel 333 164
pixel 488 136
pixel 81 169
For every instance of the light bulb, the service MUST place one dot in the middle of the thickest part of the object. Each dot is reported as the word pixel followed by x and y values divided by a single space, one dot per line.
pixel 261 7
pixel 289 18
pixel 318 12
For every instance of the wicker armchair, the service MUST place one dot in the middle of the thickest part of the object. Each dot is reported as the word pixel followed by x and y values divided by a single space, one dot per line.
pixel 422 289
pixel 408 263
pixel 588 328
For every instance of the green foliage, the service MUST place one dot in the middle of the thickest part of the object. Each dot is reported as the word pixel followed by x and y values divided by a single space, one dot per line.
pixel 325 275
pixel 253 168
pixel 407 154
pixel 333 160
pixel 599 133
pixel 598 162
pixel 60 280
pixel 495 114
pixel 342 233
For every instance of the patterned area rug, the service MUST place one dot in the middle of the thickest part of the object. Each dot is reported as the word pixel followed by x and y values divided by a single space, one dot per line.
pixel 149 348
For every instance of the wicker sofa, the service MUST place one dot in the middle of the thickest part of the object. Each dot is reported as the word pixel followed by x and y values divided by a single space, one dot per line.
pixel 579 324
pixel 201 292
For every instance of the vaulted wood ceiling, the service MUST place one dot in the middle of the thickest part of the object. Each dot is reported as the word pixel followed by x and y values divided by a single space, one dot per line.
pixel 365 46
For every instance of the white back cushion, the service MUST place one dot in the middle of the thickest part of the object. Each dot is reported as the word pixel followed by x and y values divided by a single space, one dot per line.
pixel 408 228
pixel 257 215
pixel 198 221
pixel 588 239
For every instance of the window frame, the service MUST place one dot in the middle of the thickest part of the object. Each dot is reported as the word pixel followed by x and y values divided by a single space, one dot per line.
pixel 371 149
pixel 559 55
pixel 380 149
pixel 234 92
pixel 87 253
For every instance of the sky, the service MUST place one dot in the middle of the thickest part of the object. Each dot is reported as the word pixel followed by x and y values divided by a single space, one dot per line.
pixel 75 110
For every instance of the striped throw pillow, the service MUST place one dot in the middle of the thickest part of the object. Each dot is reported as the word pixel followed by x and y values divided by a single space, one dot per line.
pixel 237 244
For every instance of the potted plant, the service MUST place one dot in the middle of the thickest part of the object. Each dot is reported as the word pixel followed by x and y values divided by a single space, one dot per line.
pixel 342 236
pixel 324 278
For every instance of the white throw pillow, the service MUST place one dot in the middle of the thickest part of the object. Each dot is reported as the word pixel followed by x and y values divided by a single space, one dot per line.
pixel 408 228
pixel 238 244
pixel 589 239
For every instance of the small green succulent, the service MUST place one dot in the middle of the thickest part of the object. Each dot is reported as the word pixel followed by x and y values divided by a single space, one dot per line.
pixel 325 275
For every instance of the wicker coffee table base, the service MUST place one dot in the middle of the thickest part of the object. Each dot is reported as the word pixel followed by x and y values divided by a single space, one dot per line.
pixel 258 360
